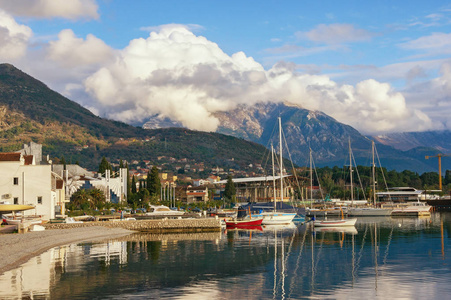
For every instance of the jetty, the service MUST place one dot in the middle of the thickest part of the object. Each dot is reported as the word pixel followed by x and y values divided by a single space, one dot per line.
pixel 155 225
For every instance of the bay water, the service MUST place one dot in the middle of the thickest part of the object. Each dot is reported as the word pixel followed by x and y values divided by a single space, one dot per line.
pixel 379 258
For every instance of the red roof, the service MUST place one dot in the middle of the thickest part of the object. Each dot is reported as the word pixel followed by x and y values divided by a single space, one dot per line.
pixel 28 159
pixel 10 156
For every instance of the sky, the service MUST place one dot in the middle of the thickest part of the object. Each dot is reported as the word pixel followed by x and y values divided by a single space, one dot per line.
pixel 381 67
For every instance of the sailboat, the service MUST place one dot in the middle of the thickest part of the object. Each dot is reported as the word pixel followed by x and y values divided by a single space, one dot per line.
pixel 274 217
pixel 342 221
pixel 370 211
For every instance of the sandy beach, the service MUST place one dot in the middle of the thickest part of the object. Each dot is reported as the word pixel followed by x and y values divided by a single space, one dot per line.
pixel 16 249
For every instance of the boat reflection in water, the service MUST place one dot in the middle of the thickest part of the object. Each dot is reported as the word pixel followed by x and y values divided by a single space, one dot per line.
pixel 375 259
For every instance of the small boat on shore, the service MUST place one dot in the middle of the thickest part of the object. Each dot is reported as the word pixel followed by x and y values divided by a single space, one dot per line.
pixel 162 210
pixel 244 223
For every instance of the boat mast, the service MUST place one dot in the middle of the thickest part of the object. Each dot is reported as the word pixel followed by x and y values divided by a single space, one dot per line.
pixel 374 175
pixel 273 176
pixel 350 172
pixel 311 176
pixel 281 162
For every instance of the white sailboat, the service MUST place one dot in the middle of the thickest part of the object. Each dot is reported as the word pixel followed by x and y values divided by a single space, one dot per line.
pixel 342 221
pixel 370 211
pixel 274 217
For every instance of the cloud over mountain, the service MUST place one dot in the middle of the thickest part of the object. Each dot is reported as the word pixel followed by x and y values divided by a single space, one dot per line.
pixel 177 74
pixel 13 37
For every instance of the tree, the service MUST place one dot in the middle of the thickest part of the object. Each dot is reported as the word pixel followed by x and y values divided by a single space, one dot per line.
pixel 104 165
pixel 97 197
pixel 129 188
pixel 63 162
pixel 80 198
pixel 154 184
pixel 230 190
pixel 133 187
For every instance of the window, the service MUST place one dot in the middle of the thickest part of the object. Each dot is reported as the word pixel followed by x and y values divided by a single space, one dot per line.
pixel 16 200
pixel 39 199
pixel 16 180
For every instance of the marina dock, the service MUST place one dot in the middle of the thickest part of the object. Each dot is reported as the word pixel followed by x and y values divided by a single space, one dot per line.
pixel 157 226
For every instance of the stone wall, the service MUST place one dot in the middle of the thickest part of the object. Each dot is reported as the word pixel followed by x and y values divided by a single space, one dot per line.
pixel 163 225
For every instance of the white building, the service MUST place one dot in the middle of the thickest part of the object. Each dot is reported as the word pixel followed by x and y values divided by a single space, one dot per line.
pixel 22 181
pixel 114 186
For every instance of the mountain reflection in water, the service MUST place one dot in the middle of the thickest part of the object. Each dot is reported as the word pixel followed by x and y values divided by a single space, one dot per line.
pixel 379 258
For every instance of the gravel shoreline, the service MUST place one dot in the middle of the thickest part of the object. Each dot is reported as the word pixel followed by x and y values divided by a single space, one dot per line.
pixel 16 249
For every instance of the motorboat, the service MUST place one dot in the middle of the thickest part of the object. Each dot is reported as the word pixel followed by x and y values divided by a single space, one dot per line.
pixel 414 209
pixel 162 210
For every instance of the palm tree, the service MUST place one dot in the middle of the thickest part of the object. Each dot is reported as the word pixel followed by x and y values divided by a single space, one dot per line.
pixel 98 198
pixel 80 197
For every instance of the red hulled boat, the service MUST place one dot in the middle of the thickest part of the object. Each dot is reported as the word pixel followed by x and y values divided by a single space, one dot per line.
pixel 244 223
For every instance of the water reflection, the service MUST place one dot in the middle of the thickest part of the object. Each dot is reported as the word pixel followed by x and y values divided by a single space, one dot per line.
pixel 378 258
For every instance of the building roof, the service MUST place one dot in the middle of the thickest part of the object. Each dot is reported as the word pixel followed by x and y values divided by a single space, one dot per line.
pixel 197 188
pixel 252 179
pixel 10 156
pixel 28 159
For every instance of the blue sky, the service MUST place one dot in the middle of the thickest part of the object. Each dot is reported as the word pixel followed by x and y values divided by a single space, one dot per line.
pixel 380 67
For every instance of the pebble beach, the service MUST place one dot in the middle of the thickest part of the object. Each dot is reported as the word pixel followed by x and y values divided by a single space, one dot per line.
pixel 16 249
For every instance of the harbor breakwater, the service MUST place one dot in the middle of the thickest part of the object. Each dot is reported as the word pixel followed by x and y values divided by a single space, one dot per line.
pixel 157 226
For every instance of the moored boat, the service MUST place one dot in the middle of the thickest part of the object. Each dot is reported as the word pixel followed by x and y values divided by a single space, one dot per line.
pixel 369 211
pixel 414 209
pixel 244 223
pixel 334 223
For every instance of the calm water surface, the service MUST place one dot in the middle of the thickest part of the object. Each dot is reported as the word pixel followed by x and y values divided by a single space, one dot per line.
pixel 381 258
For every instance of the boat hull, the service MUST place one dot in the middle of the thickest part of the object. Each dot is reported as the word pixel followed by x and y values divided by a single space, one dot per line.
pixel 7 208
pixel 416 209
pixel 277 218
pixel 370 212
pixel 244 223
pixel 334 223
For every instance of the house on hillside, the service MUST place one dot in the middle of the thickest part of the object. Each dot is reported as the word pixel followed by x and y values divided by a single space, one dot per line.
pixel 26 182
pixel 200 182
pixel 196 194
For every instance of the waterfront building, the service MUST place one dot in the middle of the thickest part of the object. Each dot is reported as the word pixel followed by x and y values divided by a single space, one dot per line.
pixel 400 194
pixel 23 181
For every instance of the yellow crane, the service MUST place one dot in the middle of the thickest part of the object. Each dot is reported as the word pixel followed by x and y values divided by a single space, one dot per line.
pixel 439 156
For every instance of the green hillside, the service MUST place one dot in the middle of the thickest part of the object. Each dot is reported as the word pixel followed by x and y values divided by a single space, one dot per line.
pixel 30 111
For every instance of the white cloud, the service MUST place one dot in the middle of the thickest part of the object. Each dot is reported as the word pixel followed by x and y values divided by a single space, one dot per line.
pixel 70 9
pixel 176 74
pixel 13 38
pixel 336 34
pixel 70 51
pixel 436 43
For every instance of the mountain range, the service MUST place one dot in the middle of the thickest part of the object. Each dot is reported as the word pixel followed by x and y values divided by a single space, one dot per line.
pixel 329 139
pixel 30 111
